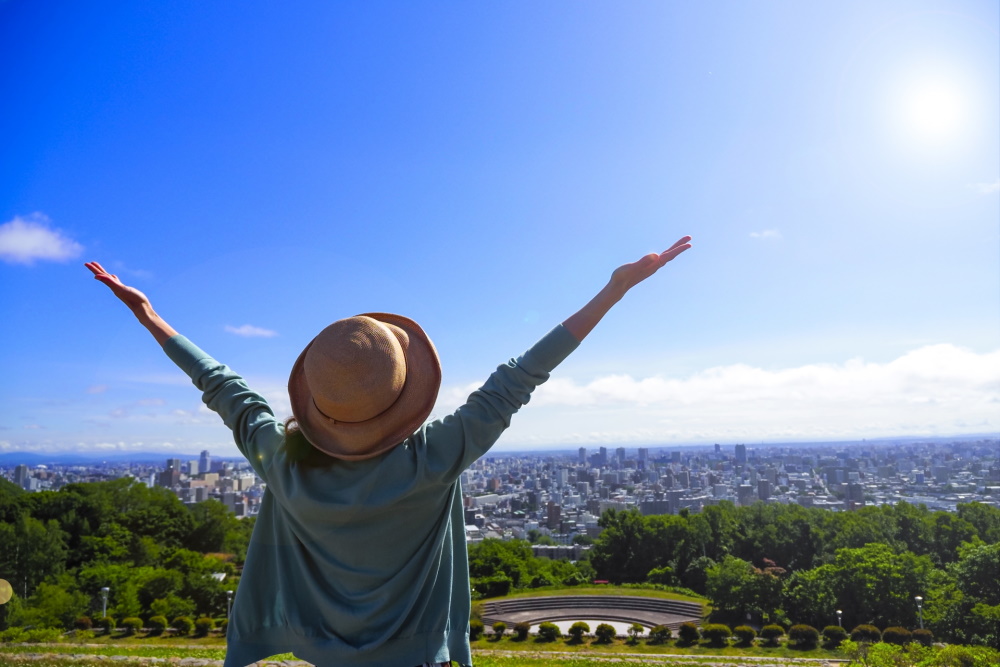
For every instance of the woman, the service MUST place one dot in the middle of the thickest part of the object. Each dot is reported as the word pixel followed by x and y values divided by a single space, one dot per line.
pixel 358 556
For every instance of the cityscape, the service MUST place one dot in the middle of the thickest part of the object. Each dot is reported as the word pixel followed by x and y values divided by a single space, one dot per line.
pixel 555 499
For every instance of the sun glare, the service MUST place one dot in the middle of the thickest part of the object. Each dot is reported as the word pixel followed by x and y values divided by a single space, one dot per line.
pixel 931 112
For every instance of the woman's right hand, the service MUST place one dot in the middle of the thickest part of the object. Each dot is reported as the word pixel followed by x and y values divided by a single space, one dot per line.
pixel 130 296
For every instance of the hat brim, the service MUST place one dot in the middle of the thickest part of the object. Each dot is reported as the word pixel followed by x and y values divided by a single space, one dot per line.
pixel 367 439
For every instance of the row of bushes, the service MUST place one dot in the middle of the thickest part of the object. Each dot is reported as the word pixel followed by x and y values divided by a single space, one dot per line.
pixel 717 634
pixel 182 625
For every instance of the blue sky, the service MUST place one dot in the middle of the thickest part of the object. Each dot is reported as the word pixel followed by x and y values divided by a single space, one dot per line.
pixel 260 170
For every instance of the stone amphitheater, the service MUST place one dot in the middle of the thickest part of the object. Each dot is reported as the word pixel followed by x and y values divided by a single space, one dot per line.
pixel 649 612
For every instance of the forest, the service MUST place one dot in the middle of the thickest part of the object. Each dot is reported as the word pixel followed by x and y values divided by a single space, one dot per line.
pixel 765 563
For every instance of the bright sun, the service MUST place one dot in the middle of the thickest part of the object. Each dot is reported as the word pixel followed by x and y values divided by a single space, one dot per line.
pixel 931 112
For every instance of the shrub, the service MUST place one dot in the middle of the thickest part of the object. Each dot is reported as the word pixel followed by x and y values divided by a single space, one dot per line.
pixel 605 633
pixel 688 633
pixel 578 630
pixel 499 628
pixel 83 623
pixel 868 634
pixel 203 626
pixel 745 634
pixel 803 636
pixel 897 635
pixel 131 625
pixel 157 624
pixel 716 633
pixel 12 635
pixel 183 625
pixel 548 632
pixel 521 630
pixel 224 625
pixel 635 631
pixel 659 635
pixel 492 587
pixel 772 634
pixel 834 634
pixel 42 635
pixel 925 637
pixel 83 635
pixel 106 623
pixel 476 628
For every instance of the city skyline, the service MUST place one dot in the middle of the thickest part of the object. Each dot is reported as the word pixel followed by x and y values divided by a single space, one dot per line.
pixel 482 170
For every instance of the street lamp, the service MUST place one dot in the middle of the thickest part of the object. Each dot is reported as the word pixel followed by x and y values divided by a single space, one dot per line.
pixel 839 615
pixel 104 598
pixel 920 610
pixel 229 603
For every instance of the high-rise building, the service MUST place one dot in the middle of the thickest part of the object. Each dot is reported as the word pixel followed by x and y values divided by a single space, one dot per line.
pixel 21 476
pixel 205 462
pixel 174 464
pixel 741 454
pixel 620 455
pixel 582 452
pixel 763 489
pixel 643 454
pixel 604 456
pixel 193 468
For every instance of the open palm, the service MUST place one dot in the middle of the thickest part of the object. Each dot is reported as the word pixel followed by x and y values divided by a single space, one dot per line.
pixel 132 297
pixel 627 276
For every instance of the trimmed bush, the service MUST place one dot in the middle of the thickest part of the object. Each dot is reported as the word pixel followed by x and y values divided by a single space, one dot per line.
pixel 688 633
pixel 868 634
pixel 833 635
pixel 803 636
pixel 771 634
pixel 42 635
pixel 605 633
pixel 745 634
pixel 716 633
pixel 659 635
pixel 83 623
pixel 157 624
pixel 476 628
pixel 131 625
pixel 203 626
pixel 924 637
pixel 521 630
pixel 897 635
pixel 578 630
pixel 499 628
pixel 548 632
pixel 183 625
pixel 106 623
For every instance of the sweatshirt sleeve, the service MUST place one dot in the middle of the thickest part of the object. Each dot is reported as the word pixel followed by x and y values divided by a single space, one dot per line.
pixel 257 432
pixel 456 441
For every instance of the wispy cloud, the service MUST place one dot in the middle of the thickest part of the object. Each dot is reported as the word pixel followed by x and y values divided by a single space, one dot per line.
pixel 933 390
pixel 250 331
pixel 25 240
pixel 766 234
pixel 986 188
pixel 97 389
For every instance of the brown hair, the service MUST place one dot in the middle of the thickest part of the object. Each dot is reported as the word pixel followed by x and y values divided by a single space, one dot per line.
pixel 299 450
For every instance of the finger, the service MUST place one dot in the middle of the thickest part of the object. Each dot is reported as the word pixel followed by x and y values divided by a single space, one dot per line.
pixel 672 253
pixel 680 241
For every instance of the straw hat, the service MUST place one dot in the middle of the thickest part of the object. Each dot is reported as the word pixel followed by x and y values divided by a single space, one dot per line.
pixel 364 384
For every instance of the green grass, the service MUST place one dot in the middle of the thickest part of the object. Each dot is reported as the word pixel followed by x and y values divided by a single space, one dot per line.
pixel 607 589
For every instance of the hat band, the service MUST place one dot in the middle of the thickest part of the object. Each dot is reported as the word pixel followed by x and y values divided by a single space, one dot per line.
pixel 341 421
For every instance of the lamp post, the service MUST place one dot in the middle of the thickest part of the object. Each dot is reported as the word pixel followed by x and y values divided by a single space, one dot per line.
pixel 229 603
pixel 839 615
pixel 104 599
pixel 920 610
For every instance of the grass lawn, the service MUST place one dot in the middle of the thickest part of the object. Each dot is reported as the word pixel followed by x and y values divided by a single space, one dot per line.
pixel 607 589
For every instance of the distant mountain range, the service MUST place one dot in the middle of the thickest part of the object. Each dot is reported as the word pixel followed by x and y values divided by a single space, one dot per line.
pixel 89 458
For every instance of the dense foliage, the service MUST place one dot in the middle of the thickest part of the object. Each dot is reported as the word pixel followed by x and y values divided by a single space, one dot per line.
pixel 792 564
pixel 156 556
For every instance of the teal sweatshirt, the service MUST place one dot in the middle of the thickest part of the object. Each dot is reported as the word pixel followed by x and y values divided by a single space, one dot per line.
pixel 362 562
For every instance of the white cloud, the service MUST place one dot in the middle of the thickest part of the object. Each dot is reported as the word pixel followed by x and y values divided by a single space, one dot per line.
pixel 986 188
pixel 766 234
pixel 97 389
pixel 250 331
pixel 933 390
pixel 24 240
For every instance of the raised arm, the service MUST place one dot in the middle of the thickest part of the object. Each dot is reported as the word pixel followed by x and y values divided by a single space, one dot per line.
pixel 136 301
pixel 622 280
